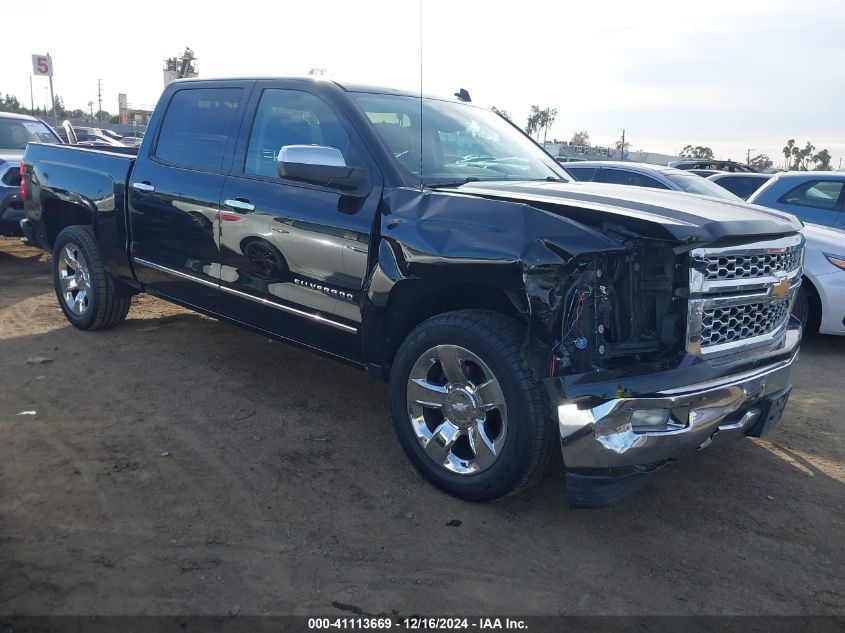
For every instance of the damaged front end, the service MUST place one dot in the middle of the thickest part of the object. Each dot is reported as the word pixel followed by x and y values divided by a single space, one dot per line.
pixel 635 388
pixel 650 344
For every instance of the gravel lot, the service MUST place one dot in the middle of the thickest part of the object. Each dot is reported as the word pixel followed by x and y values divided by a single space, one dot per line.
pixel 177 465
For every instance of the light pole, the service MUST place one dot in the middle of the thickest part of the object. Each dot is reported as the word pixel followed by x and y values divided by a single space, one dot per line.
pixel 748 156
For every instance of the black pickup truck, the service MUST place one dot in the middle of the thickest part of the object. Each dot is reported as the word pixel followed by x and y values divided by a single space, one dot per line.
pixel 434 245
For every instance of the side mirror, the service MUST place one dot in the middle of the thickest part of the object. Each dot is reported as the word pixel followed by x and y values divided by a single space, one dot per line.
pixel 321 165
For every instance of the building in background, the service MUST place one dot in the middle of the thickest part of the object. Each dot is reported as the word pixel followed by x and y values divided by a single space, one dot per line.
pixel 183 67
pixel 565 151
pixel 135 115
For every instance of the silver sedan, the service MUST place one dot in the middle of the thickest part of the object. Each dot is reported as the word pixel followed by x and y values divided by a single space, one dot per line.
pixel 647 175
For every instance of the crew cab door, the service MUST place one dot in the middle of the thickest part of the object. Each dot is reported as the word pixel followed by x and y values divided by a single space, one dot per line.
pixel 295 255
pixel 175 188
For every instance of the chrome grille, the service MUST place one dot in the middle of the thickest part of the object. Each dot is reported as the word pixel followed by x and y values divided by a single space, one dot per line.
pixel 746 266
pixel 736 323
pixel 741 296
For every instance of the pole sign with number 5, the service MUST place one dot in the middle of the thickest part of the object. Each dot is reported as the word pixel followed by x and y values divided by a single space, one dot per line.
pixel 42 65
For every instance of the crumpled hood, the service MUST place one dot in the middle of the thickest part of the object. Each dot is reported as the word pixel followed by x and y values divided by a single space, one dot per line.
pixel 669 214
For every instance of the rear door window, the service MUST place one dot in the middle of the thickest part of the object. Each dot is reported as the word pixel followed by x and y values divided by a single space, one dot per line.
pixel 818 194
pixel 197 127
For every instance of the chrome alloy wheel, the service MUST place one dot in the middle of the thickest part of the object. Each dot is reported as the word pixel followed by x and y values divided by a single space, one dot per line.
pixel 457 409
pixel 75 279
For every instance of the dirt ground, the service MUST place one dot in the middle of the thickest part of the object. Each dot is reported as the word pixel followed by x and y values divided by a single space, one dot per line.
pixel 178 465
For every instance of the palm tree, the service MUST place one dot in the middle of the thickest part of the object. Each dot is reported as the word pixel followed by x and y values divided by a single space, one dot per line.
pixel 787 152
pixel 534 120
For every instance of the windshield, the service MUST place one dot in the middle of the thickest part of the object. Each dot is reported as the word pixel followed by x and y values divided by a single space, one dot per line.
pixel 701 186
pixel 459 142
pixel 16 133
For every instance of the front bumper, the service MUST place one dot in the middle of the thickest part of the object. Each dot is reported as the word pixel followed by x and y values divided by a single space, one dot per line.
pixel 611 446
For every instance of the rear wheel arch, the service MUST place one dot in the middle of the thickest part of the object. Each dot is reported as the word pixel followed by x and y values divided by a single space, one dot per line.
pixel 60 214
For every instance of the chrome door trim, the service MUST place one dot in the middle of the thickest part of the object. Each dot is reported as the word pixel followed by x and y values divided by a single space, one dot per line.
pixel 270 304
pixel 143 186
pixel 177 273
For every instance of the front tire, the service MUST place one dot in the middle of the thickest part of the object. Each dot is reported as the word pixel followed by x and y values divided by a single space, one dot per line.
pixel 467 408
pixel 86 292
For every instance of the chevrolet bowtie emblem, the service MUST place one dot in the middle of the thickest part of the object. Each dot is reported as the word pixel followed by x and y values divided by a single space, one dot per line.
pixel 781 288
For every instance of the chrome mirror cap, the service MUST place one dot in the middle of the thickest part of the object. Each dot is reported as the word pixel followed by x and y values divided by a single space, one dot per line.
pixel 311 155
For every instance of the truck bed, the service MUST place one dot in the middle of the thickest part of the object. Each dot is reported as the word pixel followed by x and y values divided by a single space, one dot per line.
pixel 82 179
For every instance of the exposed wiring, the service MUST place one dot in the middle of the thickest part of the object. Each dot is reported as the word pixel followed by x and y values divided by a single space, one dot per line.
pixel 580 297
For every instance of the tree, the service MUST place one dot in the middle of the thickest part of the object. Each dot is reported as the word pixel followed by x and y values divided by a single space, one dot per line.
pixel 502 113
pixel 761 162
pixel 699 151
pixel 802 156
pixel 102 115
pixel 623 146
pixel 822 160
pixel 59 107
pixel 548 118
pixel 580 138
pixel 534 119
pixel 10 103
pixel 787 152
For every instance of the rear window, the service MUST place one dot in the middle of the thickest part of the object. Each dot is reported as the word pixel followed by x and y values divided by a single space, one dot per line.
pixel 700 186
pixel 630 178
pixel 197 126
pixel 581 173
pixel 16 133
pixel 742 186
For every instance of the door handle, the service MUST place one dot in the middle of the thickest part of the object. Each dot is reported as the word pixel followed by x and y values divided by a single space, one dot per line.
pixel 239 204
pixel 144 185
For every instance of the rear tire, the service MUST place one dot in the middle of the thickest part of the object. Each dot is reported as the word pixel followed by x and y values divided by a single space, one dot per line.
pixel 86 292
pixel 482 429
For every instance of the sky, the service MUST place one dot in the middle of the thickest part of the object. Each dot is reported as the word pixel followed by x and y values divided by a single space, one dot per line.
pixel 737 75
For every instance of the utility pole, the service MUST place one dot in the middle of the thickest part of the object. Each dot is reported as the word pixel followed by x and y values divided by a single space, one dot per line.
pixel 748 156
pixel 31 98
pixel 100 100
pixel 52 97
pixel 622 149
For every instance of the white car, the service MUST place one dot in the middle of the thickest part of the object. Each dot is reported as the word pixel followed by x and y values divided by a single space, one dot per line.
pixel 821 301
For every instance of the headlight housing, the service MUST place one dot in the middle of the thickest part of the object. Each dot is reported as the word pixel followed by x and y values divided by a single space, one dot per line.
pixel 836 260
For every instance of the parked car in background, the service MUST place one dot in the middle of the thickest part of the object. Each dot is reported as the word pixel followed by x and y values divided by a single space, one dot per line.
pixel 816 197
pixel 646 175
pixel 705 173
pixel 16 130
pixel 820 304
pixel 711 164
pixel 96 136
pixel 132 141
pixel 740 184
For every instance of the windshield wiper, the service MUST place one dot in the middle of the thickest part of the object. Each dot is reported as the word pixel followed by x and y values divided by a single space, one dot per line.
pixel 451 183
